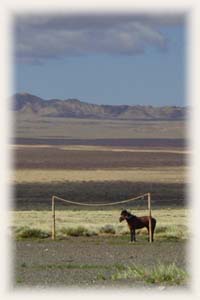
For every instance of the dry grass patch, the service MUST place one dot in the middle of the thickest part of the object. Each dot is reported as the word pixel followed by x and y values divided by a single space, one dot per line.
pixel 159 175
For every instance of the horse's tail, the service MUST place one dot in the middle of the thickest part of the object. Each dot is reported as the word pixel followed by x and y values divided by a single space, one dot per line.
pixel 153 223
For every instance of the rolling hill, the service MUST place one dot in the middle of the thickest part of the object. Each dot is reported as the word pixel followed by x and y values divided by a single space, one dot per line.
pixel 73 108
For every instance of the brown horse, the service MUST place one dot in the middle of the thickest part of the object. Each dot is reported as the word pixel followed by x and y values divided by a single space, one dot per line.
pixel 135 222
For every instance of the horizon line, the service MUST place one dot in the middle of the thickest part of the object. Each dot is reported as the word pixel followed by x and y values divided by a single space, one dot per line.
pixel 92 103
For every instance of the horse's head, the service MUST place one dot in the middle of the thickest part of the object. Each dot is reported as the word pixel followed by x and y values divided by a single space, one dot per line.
pixel 124 215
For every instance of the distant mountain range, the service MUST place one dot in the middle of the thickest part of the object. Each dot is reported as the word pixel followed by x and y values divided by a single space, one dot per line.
pixel 73 108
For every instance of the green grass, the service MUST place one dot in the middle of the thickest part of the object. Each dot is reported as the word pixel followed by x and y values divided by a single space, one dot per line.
pixel 171 223
pixel 64 266
pixel 166 274
pixel 71 266
pixel 170 274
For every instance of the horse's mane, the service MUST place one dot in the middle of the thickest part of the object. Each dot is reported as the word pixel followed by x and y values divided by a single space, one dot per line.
pixel 128 213
pixel 131 215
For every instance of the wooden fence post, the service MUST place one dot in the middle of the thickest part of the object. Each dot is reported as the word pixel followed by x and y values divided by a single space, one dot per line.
pixel 149 207
pixel 53 219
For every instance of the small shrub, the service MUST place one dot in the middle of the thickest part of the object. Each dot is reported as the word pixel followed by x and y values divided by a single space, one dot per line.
pixel 125 232
pixel 109 229
pixel 101 276
pixel 120 267
pixel 27 232
pixel 172 232
pixel 24 265
pixel 161 229
pixel 77 231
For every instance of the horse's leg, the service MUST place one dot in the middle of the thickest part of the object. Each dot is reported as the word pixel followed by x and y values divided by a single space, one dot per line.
pixel 153 228
pixel 133 235
pixel 153 225
pixel 148 232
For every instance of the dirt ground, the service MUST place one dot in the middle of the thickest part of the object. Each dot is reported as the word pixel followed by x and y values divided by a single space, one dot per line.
pixel 89 261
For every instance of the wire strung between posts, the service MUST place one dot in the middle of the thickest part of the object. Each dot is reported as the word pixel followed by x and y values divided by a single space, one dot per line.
pixel 100 204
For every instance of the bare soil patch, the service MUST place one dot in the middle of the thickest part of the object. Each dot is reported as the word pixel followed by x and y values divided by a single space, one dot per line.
pixel 119 142
pixel 89 262
pixel 56 158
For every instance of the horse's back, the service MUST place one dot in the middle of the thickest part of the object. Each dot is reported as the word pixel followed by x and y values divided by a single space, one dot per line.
pixel 145 220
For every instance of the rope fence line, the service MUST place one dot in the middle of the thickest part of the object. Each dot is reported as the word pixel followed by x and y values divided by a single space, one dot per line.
pixel 99 204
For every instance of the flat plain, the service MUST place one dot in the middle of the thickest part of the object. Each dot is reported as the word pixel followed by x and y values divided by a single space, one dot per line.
pixel 98 173
pixel 35 127
pixel 97 162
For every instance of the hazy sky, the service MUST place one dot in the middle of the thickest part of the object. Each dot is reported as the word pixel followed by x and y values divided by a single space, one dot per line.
pixel 104 59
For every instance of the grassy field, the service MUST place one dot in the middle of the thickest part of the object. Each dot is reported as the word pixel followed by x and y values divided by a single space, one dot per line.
pixel 171 223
